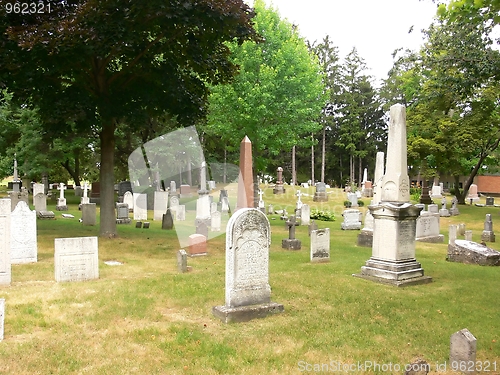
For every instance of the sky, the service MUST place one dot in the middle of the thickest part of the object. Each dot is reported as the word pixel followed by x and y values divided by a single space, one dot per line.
pixel 375 27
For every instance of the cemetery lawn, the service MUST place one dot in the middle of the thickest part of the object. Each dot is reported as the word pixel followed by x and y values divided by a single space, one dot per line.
pixel 144 317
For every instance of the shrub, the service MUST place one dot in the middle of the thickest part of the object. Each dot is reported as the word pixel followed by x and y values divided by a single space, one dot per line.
pixel 361 203
pixel 322 215
pixel 347 204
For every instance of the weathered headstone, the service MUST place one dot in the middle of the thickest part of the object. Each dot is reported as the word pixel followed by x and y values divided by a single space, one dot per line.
pixel 5 264
pixel 270 209
pixel 180 212
pixel 320 245
pixel 95 192
pixel 140 206
pixel 23 235
pixel 454 207
pixel 490 201
pixel 167 220
pixel 473 196
pixel 40 202
pixel 312 226
pixel 444 211
pixel 463 351
pixel 278 187
pixel 393 252
pixel 351 220
pixel 436 192
pixel 248 293
pixel 353 199
pixel 122 213
pixel 173 188
pixel 138 224
pixel 145 225
pixel 433 208
pixel 201 228
pixel 160 204
pixel 211 185
pixel 291 243
pixel 452 234
pixel 197 245
pixel 305 214
pixel 468 252
pixel 216 221
pixel 89 214
pixel 320 195
pixel 182 261
pixel 185 191
pixel 76 259
pixel 461 229
pixel 225 207
pixel 368 189
pixel 365 237
pixel 468 235
pixel 488 235
pixel 245 179
pixel 61 201
pixel 427 229
pixel 128 199
pixel 123 187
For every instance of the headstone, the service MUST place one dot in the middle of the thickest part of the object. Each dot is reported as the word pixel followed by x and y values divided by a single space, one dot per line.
pixel 174 201
pixel 427 229
pixel 180 212
pixel 444 211
pixel 365 237
pixel 379 174
pixel 128 199
pixel 298 204
pixel 436 192
pixel 353 198
pixel 291 243
pixel 488 235
pixel 38 189
pixel 123 187
pixel 305 214
pixel 61 201
pixel 84 199
pixel 368 189
pixel 278 187
pixel 197 245
pixel 213 207
pixel 463 351
pixel 5 238
pixel 138 224
pixel 320 195
pixel 262 205
pixel 167 220
pixel 222 194
pixel 46 215
pixel 203 208
pixel 89 214
pixel 393 252
pixel 160 204
pixel 245 179
pixel 173 188
pixel 468 235
pixel 225 208
pixel 461 229
pixel 2 317
pixel 201 228
pixel 140 206
pixel 23 235
pixel 211 185
pixel 351 220
pixel 122 213
pixel 463 251
pixel 216 220
pixel 312 226
pixel 454 207
pixel 76 259
pixel 185 191
pixel 452 234
pixel 270 209
pixel 40 202
pixel 248 293
pixel 320 245
pixel 95 193
pixel 182 261
pixel 490 201
pixel 145 225
pixel 473 196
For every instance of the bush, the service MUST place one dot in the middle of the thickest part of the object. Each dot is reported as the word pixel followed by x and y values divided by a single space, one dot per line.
pixel 347 204
pixel 361 203
pixel 322 215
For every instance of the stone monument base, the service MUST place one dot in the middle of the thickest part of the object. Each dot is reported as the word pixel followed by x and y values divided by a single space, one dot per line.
pixel 123 221
pixel 472 253
pixel 432 239
pixel 397 273
pixel 488 236
pixel 320 197
pixel 245 313
pixel 62 208
pixel 46 215
pixel 279 189
pixel 365 238
pixel 425 198
pixel 289 244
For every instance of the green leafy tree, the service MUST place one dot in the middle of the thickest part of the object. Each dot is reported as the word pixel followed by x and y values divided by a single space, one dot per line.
pixel 276 98
pixel 99 63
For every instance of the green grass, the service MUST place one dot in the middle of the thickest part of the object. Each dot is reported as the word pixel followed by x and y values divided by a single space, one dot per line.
pixel 145 318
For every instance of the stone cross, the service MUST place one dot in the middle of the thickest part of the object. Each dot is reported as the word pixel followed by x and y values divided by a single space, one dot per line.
pixel 291 227
pixel 443 203
pixel 299 194
pixel 261 193
pixel 61 189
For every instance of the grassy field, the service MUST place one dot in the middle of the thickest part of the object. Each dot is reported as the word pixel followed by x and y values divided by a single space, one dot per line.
pixel 144 317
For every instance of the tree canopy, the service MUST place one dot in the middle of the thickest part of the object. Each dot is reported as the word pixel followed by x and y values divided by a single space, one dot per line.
pixel 93 64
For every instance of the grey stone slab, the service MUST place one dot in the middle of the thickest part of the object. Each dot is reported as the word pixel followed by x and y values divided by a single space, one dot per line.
pixel 76 259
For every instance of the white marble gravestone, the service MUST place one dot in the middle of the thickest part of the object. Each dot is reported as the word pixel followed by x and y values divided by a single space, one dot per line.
pixel 351 220
pixel 85 198
pixel 140 206
pixel 216 220
pixel 427 229
pixel 248 293
pixel 61 201
pixel 160 204
pixel 23 243
pixel 394 229
pixel 463 351
pixel 40 202
pixel 5 265
pixel 89 214
pixel 305 215
pixel 76 259
pixel 320 245
pixel 128 198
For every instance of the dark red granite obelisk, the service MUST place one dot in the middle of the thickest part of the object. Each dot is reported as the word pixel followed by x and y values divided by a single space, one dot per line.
pixel 245 180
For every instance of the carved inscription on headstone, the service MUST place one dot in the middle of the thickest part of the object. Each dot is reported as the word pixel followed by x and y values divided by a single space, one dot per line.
pixel 76 259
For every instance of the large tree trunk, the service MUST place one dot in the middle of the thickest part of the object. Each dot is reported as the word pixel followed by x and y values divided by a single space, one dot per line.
pixel 107 180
